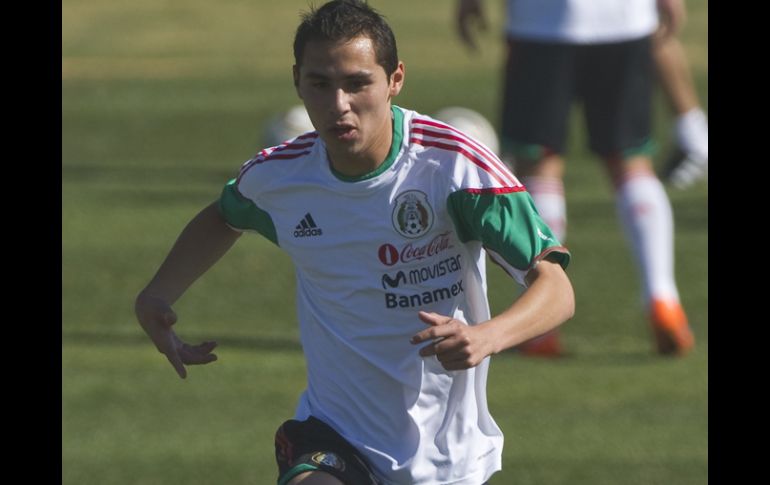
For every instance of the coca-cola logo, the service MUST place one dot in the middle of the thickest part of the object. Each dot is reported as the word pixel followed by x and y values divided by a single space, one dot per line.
pixel 390 255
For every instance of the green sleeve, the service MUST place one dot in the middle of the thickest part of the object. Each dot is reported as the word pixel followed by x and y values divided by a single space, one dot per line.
pixel 506 223
pixel 243 214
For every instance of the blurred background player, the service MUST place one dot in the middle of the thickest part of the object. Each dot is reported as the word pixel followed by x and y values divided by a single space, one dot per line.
pixel 689 160
pixel 598 51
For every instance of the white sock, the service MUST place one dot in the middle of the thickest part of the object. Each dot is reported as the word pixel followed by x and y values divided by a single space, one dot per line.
pixel 646 216
pixel 548 195
pixel 692 133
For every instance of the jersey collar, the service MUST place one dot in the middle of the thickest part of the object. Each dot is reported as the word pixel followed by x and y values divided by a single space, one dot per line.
pixel 395 147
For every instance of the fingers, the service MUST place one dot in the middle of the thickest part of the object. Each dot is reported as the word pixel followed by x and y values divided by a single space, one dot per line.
pixel 439 327
pixel 198 354
pixel 449 348
pixel 444 334
pixel 180 354
pixel 450 341
pixel 176 361
pixel 432 348
pixel 461 364
pixel 206 346
pixel 454 353
pixel 157 319
pixel 432 318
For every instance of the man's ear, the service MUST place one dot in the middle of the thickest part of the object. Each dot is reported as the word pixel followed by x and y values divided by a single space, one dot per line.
pixel 397 80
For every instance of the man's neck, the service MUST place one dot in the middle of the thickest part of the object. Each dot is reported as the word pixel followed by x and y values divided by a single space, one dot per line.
pixel 356 165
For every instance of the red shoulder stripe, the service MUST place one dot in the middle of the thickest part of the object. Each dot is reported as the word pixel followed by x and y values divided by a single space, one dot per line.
pixel 444 126
pixel 496 191
pixel 277 153
pixel 469 155
pixel 460 137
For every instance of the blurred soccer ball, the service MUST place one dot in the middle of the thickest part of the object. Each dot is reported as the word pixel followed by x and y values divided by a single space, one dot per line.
pixel 285 126
pixel 471 123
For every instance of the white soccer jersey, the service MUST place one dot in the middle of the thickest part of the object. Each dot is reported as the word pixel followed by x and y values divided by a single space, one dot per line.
pixel 370 252
pixel 581 21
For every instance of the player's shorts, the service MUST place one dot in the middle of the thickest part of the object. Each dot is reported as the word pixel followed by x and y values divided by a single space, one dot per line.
pixel 312 445
pixel 613 80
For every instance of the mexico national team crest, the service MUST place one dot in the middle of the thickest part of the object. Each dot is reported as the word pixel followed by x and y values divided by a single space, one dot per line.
pixel 412 215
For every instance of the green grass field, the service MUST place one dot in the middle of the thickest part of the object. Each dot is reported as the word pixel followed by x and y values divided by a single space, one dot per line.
pixel 163 101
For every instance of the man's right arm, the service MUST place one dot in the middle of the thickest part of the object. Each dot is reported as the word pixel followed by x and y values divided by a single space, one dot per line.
pixel 201 244
pixel 468 13
pixel 204 241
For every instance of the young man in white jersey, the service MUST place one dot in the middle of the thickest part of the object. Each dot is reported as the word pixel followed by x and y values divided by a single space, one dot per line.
pixel 597 51
pixel 388 216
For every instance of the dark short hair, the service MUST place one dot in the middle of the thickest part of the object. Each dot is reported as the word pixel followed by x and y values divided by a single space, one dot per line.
pixel 342 20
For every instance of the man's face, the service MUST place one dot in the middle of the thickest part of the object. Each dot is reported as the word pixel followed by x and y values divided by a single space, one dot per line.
pixel 347 95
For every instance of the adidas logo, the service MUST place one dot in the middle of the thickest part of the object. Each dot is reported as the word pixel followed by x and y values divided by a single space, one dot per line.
pixel 307 227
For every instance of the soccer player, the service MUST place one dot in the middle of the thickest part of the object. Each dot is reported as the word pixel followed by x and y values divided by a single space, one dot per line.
pixel 688 162
pixel 388 216
pixel 597 51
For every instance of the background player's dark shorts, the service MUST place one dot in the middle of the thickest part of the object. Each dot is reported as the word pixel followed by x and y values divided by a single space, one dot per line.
pixel 309 445
pixel 613 80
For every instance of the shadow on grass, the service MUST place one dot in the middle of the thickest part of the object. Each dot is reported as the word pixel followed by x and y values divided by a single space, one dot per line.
pixel 239 342
pixel 88 172
pixel 599 358
pixel 617 357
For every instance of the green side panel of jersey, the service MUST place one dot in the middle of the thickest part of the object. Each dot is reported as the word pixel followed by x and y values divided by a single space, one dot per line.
pixel 244 214
pixel 508 224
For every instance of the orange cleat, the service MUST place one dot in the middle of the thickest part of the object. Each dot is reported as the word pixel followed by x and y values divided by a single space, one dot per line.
pixel 669 325
pixel 546 345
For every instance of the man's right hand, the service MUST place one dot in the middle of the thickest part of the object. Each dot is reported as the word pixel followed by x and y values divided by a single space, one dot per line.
pixel 156 318
pixel 468 12
pixel 672 17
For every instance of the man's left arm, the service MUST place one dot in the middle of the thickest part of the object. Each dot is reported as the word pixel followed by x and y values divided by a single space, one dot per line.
pixel 514 235
pixel 548 302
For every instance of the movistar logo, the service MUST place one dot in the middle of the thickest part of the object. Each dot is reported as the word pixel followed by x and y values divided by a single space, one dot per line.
pixel 387 281
pixel 307 227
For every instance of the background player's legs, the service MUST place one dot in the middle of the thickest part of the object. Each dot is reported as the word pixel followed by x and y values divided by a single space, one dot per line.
pixel 689 162
pixel 645 214
pixel 618 102
pixel 544 182
pixel 537 97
